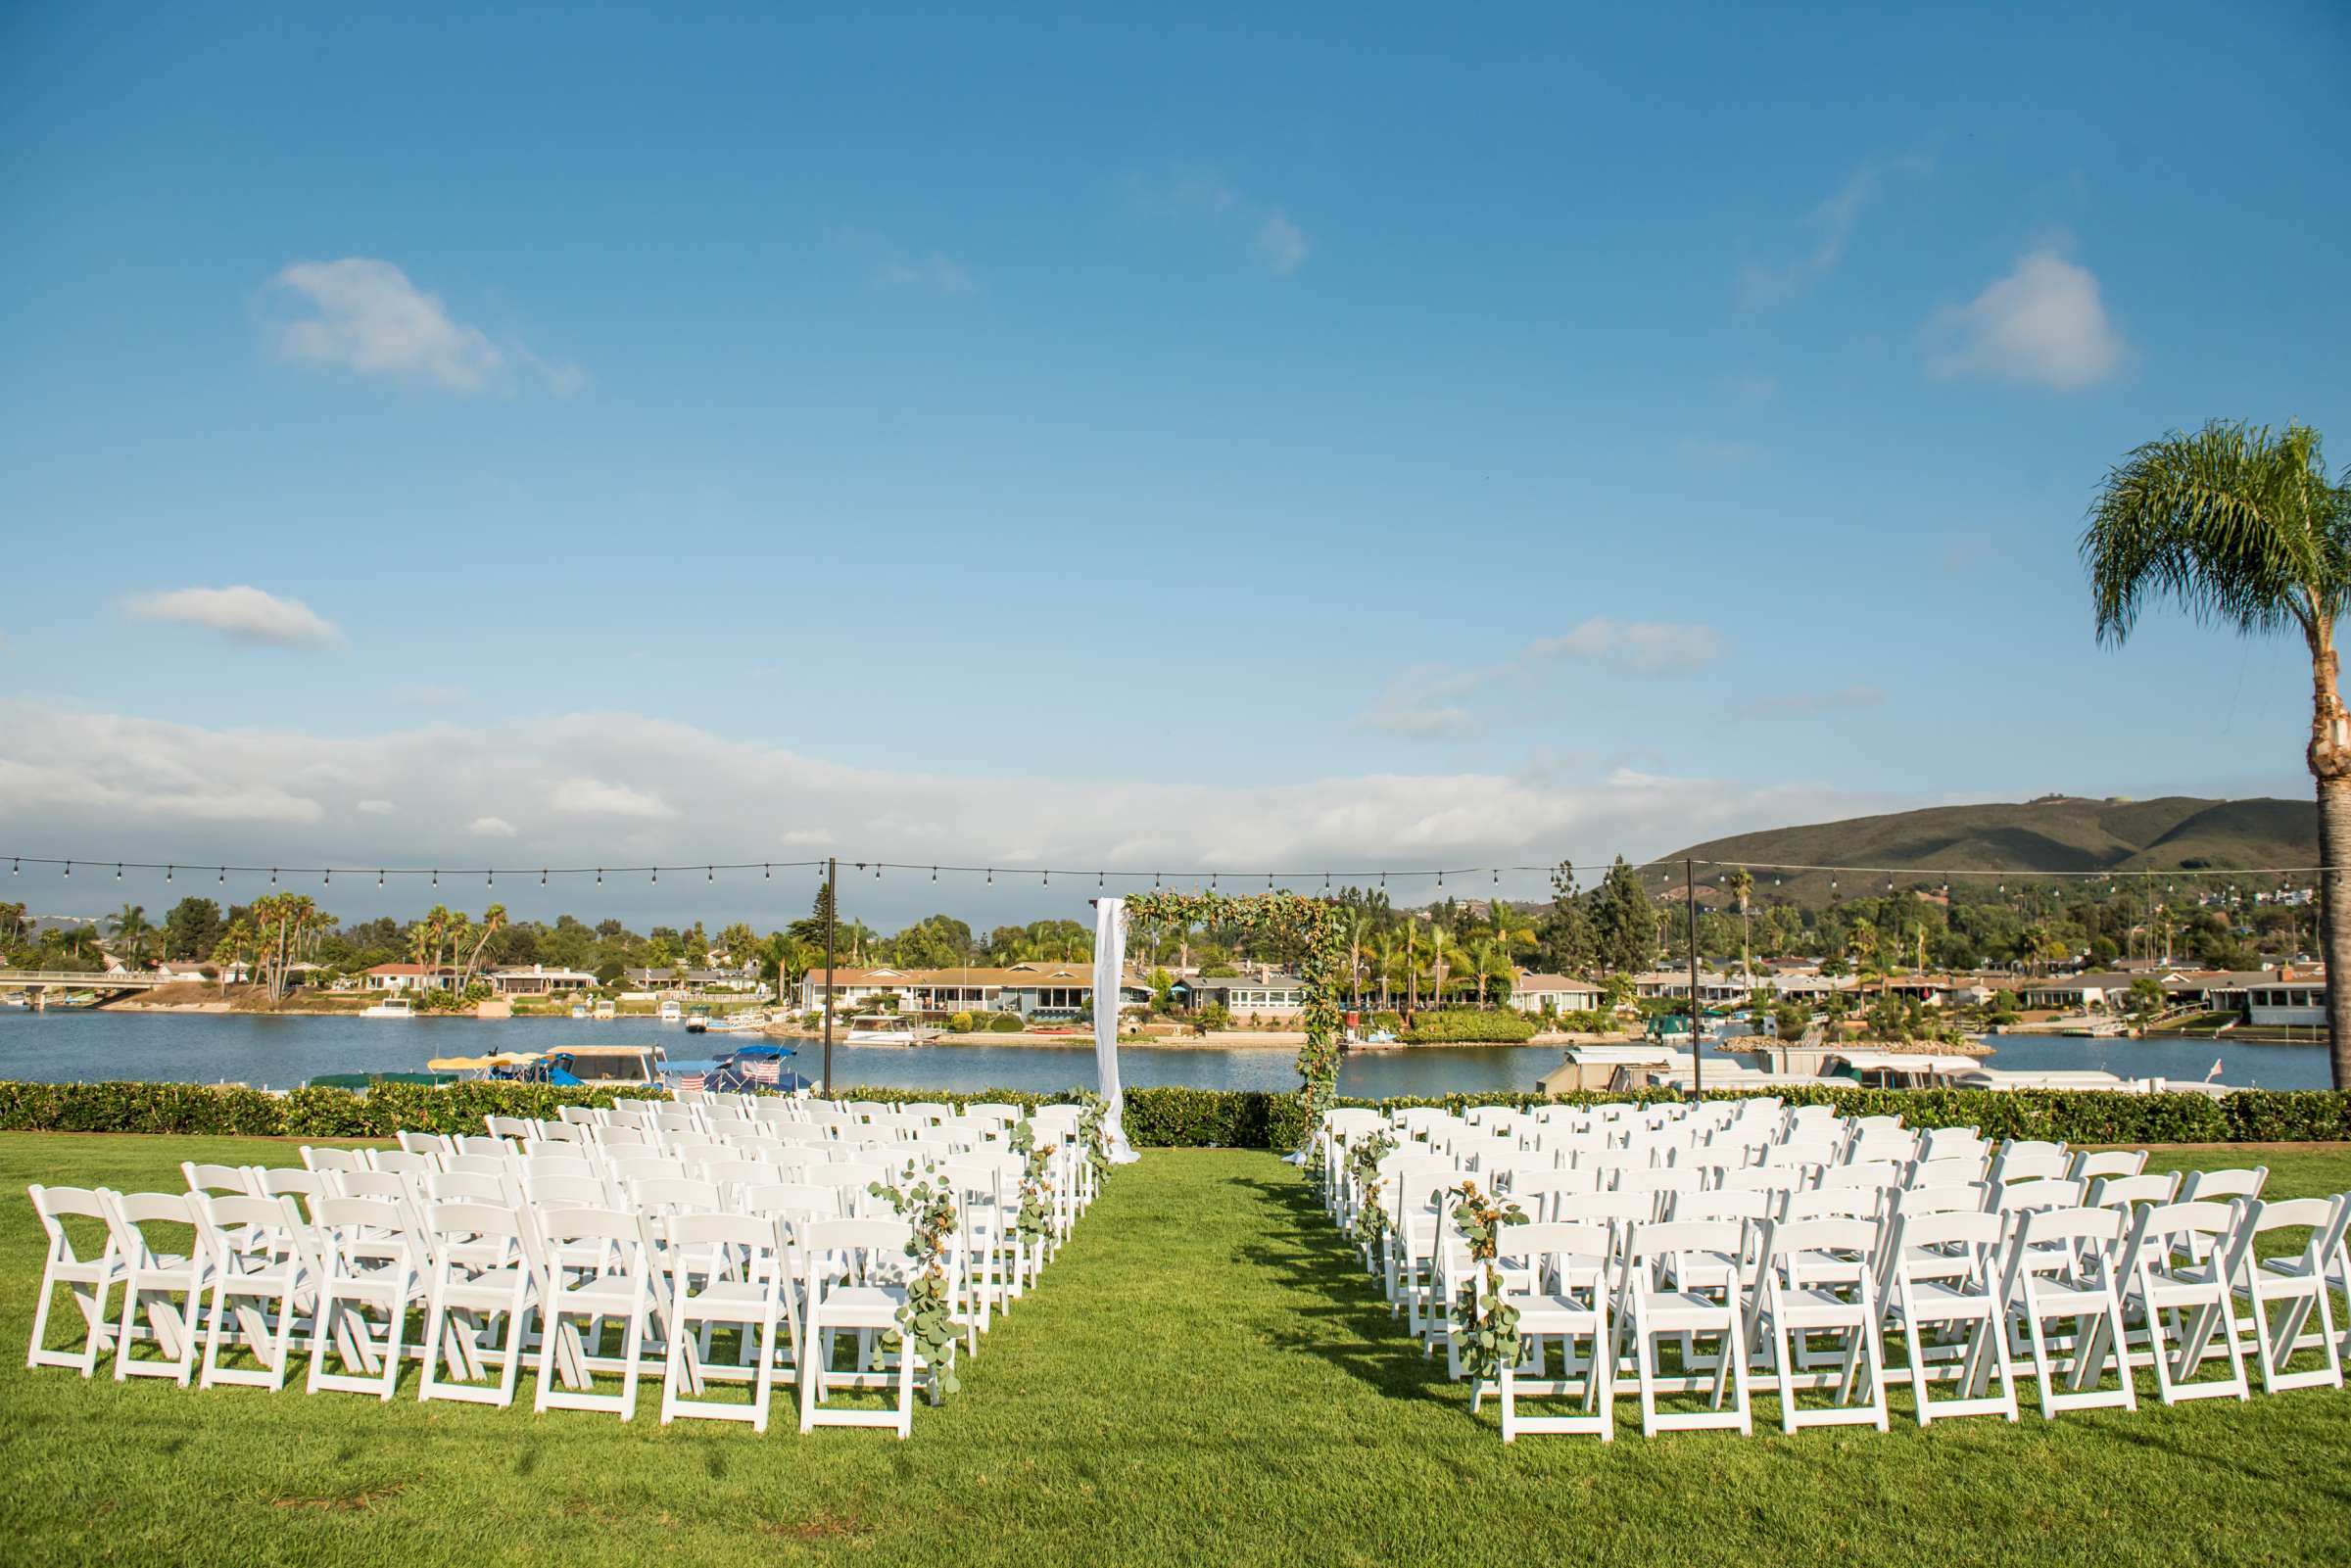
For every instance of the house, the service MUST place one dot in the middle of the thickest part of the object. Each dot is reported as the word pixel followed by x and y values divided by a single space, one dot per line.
pixel 537 979
pixel 1263 991
pixel 1041 989
pixel 692 981
pixel 2290 997
pixel 412 977
pixel 1562 993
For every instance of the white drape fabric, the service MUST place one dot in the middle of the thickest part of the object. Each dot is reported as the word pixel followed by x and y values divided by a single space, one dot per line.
pixel 1110 963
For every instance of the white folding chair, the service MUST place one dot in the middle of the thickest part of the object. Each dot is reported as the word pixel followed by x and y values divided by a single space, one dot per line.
pixel 89 1280
pixel 618 1288
pixel 371 1259
pixel 483 1269
pixel 2294 1282
pixel 2060 1265
pixel 855 1282
pixel 258 1257
pixel 1557 1277
pixel 750 1297
pixel 1649 1308
pixel 168 1287
pixel 2195 1298
pixel 1942 1268
pixel 1815 1277
pixel 234 1181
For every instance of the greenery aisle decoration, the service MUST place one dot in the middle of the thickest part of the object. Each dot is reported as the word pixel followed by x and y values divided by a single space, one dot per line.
pixel 1362 1169
pixel 928 1318
pixel 1491 1340
pixel 1036 1183
pixel 1093 1112
pixel 1315 928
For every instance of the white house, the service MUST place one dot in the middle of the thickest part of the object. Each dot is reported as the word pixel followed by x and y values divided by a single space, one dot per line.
pixel 1562 993
pixel 412 977
pixel 538 979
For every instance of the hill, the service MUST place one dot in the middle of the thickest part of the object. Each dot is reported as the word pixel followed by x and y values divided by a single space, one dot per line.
pixel 2055 833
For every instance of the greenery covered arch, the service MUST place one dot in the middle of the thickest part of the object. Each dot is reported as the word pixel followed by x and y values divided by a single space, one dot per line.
pixel 1311 925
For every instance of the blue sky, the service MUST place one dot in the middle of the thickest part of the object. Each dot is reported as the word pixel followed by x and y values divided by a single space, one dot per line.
pixel 1329 439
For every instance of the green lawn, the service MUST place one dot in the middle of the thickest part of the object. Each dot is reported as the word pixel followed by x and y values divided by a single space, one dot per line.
pixel 1204 1377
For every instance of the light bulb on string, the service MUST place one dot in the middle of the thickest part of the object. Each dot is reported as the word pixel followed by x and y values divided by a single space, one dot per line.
pixel 600 876
pixel 274 876
pixel 117 871
pixel 379 876
pixel 934 874
pixel 167 874
pixel 326 877
pixel 657 874
pixel 709 874
pixel 992 876
pixel 436 876
pixel 1269 881
pixel 767 873
pixel 1048 880
pixel 223 875
pixel 16 867
pixel 69 868
pixel 542 876
pixel 1098 881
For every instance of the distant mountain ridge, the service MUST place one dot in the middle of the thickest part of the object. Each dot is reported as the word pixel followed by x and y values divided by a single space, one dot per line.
pixel 2055 833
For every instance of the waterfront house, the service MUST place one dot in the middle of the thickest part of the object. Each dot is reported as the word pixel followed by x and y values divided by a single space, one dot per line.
pixel 538 979
pixel 412 977
pixel 1263 992
pixel 1562 993
pixel 1042 988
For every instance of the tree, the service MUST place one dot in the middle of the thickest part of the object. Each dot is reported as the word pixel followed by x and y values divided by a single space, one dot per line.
pixel 131 931
pixel 1624 923
pixel 1489 961
pixel 1742 884
pixel 811 928
pixel 2146 998
pixel 192 929
pixel 2240 526
pixel 494 921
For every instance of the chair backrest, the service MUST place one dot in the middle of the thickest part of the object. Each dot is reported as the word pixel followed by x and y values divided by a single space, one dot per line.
pixel 1646 1243
pixel 514 1127
pixel 1821 1204
pixel 1954 1199
pixel 422 1143
pixel 1723 1203
pixel 2088 1165
pixel 453 1186
pixel 323 1159
pixel 663 1195
pixel 1929 1241
pixel 480 1165
pixel 368 1184
pixel 473 1144
pixel 864 1251
pixel 2122 1192
pixel 371 1229
pixel 1952 1143
pixel 1800 1252
pixel 2028 1161
pixel 559 1225
pixel 2047 1193
pixel 2240 1182
pixel 685 1231
pixel 1876 1174
pixel 292 1181
pixel 2195 1229
pixel 135 1210
pixel 2326 1218
pixel 1944 1174
pixel 580 1191
pixel 401 1163
pixel 2050 1228
pixel 782 1197
pixel 539 1167
pixel 57 1205
pixel 581 1115
pixel 239 1223
pixel 236 1180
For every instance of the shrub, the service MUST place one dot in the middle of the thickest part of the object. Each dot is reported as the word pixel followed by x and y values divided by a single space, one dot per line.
pixel 1449 1024
pixel 959 1022
pixel 1215 1015
pixel 1006 1024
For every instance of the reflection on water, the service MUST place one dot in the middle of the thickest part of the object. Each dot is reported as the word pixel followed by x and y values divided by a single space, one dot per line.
pixel 280 1052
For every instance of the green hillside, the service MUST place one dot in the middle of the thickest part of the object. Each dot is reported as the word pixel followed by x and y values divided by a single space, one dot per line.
pixel 2056 834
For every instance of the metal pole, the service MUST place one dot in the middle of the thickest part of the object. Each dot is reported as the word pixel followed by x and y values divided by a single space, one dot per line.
pixel 832 915
pixel 1697 1034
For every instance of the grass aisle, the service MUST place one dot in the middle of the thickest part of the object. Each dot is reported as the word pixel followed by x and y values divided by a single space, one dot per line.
pixel 1204 1377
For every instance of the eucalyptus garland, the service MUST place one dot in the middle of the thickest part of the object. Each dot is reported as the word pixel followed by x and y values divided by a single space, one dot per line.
pixel 1314 925
pixel 1489 1324
pixel 1094 1112
pixel 1037 1182
pixel 928 1316
pixel 1362 1169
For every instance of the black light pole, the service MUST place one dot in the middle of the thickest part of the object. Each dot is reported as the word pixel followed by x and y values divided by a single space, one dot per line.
pixel 831 914
pixel 1697 1041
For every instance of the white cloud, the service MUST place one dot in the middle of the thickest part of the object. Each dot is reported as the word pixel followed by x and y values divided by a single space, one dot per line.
pixel 1431 701
pixel 1280 244
pixel 376 808
pixel 1849 696
pixel 1199 197
pixel 891 264
pixel 242 615
pixel 593 798
pixel 492 828
pixel 806 837
pixel 153 791
pixel 2043 323
pixel 1646 648
pixel 1831 223
pixel 372 320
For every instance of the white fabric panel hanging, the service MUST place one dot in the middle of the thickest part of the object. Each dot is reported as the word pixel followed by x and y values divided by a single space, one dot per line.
pixel 1110 963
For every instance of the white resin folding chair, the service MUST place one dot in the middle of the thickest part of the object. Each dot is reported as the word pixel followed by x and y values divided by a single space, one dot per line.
pixel 1557 1277
pixel 855 1282
pixel 2026 1159
pixel 2157 1278
pixel 1649 1309
pixel 1544 1193
pixel 2060 1265
pixel 403 1163
pixel 1954 1143
pixel 234 1181
pixel 755 1298
pixel 1938 1271
pixel 619 1289
pixel 2219 1186
pixel 258 1254
pixel 429 1144
pixel 326 1160
pixel 1817 1277
pixel 89 1280
pixel 2090 1165
pixel 292 1181
pixel 371 1259
pixel 2136 1192
pixel 1946 1174
pixel 166 1287
pixel 516 1127
pixel 483 1270
pixel 2293 1286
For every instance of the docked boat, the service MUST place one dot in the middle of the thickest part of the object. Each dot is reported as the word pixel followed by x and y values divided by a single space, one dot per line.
pixel 605 1066
pixel 392 1007
pixel 579 1009
pixel 887 1028
pixel 607 1008
pixel 698 1022
pixel 671 1013
pixel 752 1067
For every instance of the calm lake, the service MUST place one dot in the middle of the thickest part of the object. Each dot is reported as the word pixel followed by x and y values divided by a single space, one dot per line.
pixel 65 1046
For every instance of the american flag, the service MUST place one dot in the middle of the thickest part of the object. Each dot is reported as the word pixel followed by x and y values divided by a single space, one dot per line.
pixel 690 1082
pixel 767 1072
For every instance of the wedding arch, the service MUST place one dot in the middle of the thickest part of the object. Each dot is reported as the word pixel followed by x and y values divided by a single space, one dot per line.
pixel 1312 925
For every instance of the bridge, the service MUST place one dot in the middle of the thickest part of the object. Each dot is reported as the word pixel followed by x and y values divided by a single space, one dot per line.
pixel 36 985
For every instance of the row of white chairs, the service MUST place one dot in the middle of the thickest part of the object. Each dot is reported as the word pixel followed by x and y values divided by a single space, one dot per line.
pixel 511 1257
pixel 1620 1252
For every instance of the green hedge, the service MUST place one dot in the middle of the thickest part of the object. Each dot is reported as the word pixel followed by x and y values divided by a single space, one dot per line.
pixel 1449 1024
pixel 1161 1118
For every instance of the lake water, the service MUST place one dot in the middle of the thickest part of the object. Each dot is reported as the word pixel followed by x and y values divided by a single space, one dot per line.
pixel 70 1045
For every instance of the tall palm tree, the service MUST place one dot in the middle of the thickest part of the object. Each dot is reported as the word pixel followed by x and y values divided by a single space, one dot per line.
pixel 131 931
pixel 2240 526
pixel 494 921
pixel 1489 961
pixel 1361 925
pixel 1742 886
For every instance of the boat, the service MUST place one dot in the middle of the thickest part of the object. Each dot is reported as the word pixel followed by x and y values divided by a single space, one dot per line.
pixel 671 1013
pixel 747 1022
pixel 606 1065
pixel 698 1022
pixel 579 1009
pixel 16 999
pixel 392 1007
pixel 887 1028
pixel 607 1008
pixel 750 1069
pixel 360 1083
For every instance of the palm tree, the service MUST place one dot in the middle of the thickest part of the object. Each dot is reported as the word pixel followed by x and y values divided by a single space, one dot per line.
pixel 1489 961
pixel 1362 925
pixel 1742 884
pixel 133 930
pixel 2240 525
pixel 494 921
